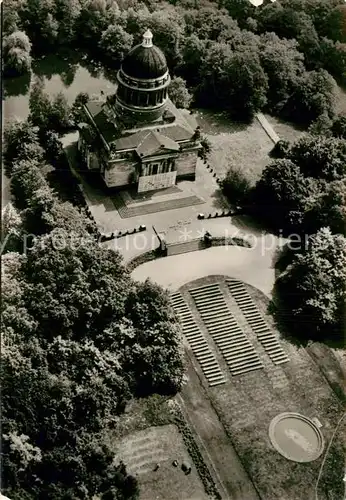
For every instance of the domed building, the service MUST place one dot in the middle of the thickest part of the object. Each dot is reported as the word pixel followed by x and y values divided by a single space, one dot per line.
pixel 137 136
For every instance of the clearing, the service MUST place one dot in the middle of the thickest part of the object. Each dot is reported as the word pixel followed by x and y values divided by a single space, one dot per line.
pixel 142 450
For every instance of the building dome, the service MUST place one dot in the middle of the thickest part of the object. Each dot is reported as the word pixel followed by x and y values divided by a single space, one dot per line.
pixel 145 61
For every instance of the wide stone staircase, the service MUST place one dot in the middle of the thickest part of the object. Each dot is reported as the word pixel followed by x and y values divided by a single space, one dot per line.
pixel 126 212
pixel 255 319
pixel 200 348
pixel 240 355
pixel 186 246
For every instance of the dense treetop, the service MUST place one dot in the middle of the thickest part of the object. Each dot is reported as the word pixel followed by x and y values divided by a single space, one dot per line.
pixel 304 188
pixel 80 338
pixel 313 288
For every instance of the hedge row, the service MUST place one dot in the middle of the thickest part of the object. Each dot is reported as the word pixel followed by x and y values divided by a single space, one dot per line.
pixel 196 456
pixel 144 257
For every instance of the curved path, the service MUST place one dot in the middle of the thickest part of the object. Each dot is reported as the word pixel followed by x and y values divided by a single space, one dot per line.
pixel 251 265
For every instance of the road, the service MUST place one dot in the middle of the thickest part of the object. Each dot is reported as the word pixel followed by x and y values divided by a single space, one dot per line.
pixel 251 265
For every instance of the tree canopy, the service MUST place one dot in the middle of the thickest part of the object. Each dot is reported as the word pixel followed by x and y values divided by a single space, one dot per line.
pixel 302 190
pixel 313 288
pixel 80 339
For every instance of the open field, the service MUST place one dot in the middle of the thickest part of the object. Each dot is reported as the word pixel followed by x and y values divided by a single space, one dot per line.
pixel 246 404
pixel 234 145
pixel 154 430
pixel 285 130
pixel 142 450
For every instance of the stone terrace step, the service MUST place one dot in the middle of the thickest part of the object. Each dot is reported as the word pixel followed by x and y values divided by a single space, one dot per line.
pixel 234 345
pixel 255 319
pixel 204 355
pixel 126 212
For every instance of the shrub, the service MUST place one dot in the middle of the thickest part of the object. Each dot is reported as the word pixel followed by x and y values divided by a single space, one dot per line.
pixel 235 186
pixel 206 148
pixel 280 149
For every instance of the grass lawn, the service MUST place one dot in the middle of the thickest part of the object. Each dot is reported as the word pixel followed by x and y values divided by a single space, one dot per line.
pixel 142 450
pixel 288 131
pixel 247 150
pixel 146 435
pixel 242 146
pixel 331 485
pixel 246 405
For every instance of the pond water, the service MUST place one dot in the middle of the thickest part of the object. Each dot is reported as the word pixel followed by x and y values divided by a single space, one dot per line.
pixel 68 74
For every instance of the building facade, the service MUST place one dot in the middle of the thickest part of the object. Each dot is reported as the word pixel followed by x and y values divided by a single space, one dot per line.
pixel 137 137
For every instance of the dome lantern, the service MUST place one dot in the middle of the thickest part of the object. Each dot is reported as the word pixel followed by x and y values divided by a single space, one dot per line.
pixel 147 39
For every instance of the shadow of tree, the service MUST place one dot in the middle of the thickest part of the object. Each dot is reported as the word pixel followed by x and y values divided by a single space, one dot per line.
pixel 20 85
pixel 50 65
pixel 219 201
pixel 216 122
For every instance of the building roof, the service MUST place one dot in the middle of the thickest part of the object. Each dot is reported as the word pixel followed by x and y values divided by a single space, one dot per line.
pixel 170 134
pixel 145 61
pixel 102 121
pixel 154 142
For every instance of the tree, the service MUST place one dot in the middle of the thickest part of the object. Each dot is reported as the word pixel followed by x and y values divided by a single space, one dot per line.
pixel 283 195
pixel 54 150
pixel 115 43
pixel 19 40
pixel 11 228
pixel 205 149
pixel 320 157
pixel 321 126
pixel 280 149
pixel 207 23
pixel 316 95
pixel 179 93
pixel 94 19
pixel 249 85
pixel 51 449
pixel 283 65
pixel 26 179
pixel 168 30
pixel 233 80
pixel 67 13
pixel 40 106
pixel 312 289
pixel 11 16
pixel 332 55
pixel 339 127
pixel 236 187
pixel 329 209
pixel 77 287
pixel 193 50
pixel 240 10
pixel 77 114
pixel 39 22
pixel 153 351
pixel 17 59
pixel 21 142
pixel 59 118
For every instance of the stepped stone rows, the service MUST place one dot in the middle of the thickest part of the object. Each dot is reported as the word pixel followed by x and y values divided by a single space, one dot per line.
pixel 256 321
pixel 126 212
pixel 198 343
pixel 236 348
pixel 184 247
